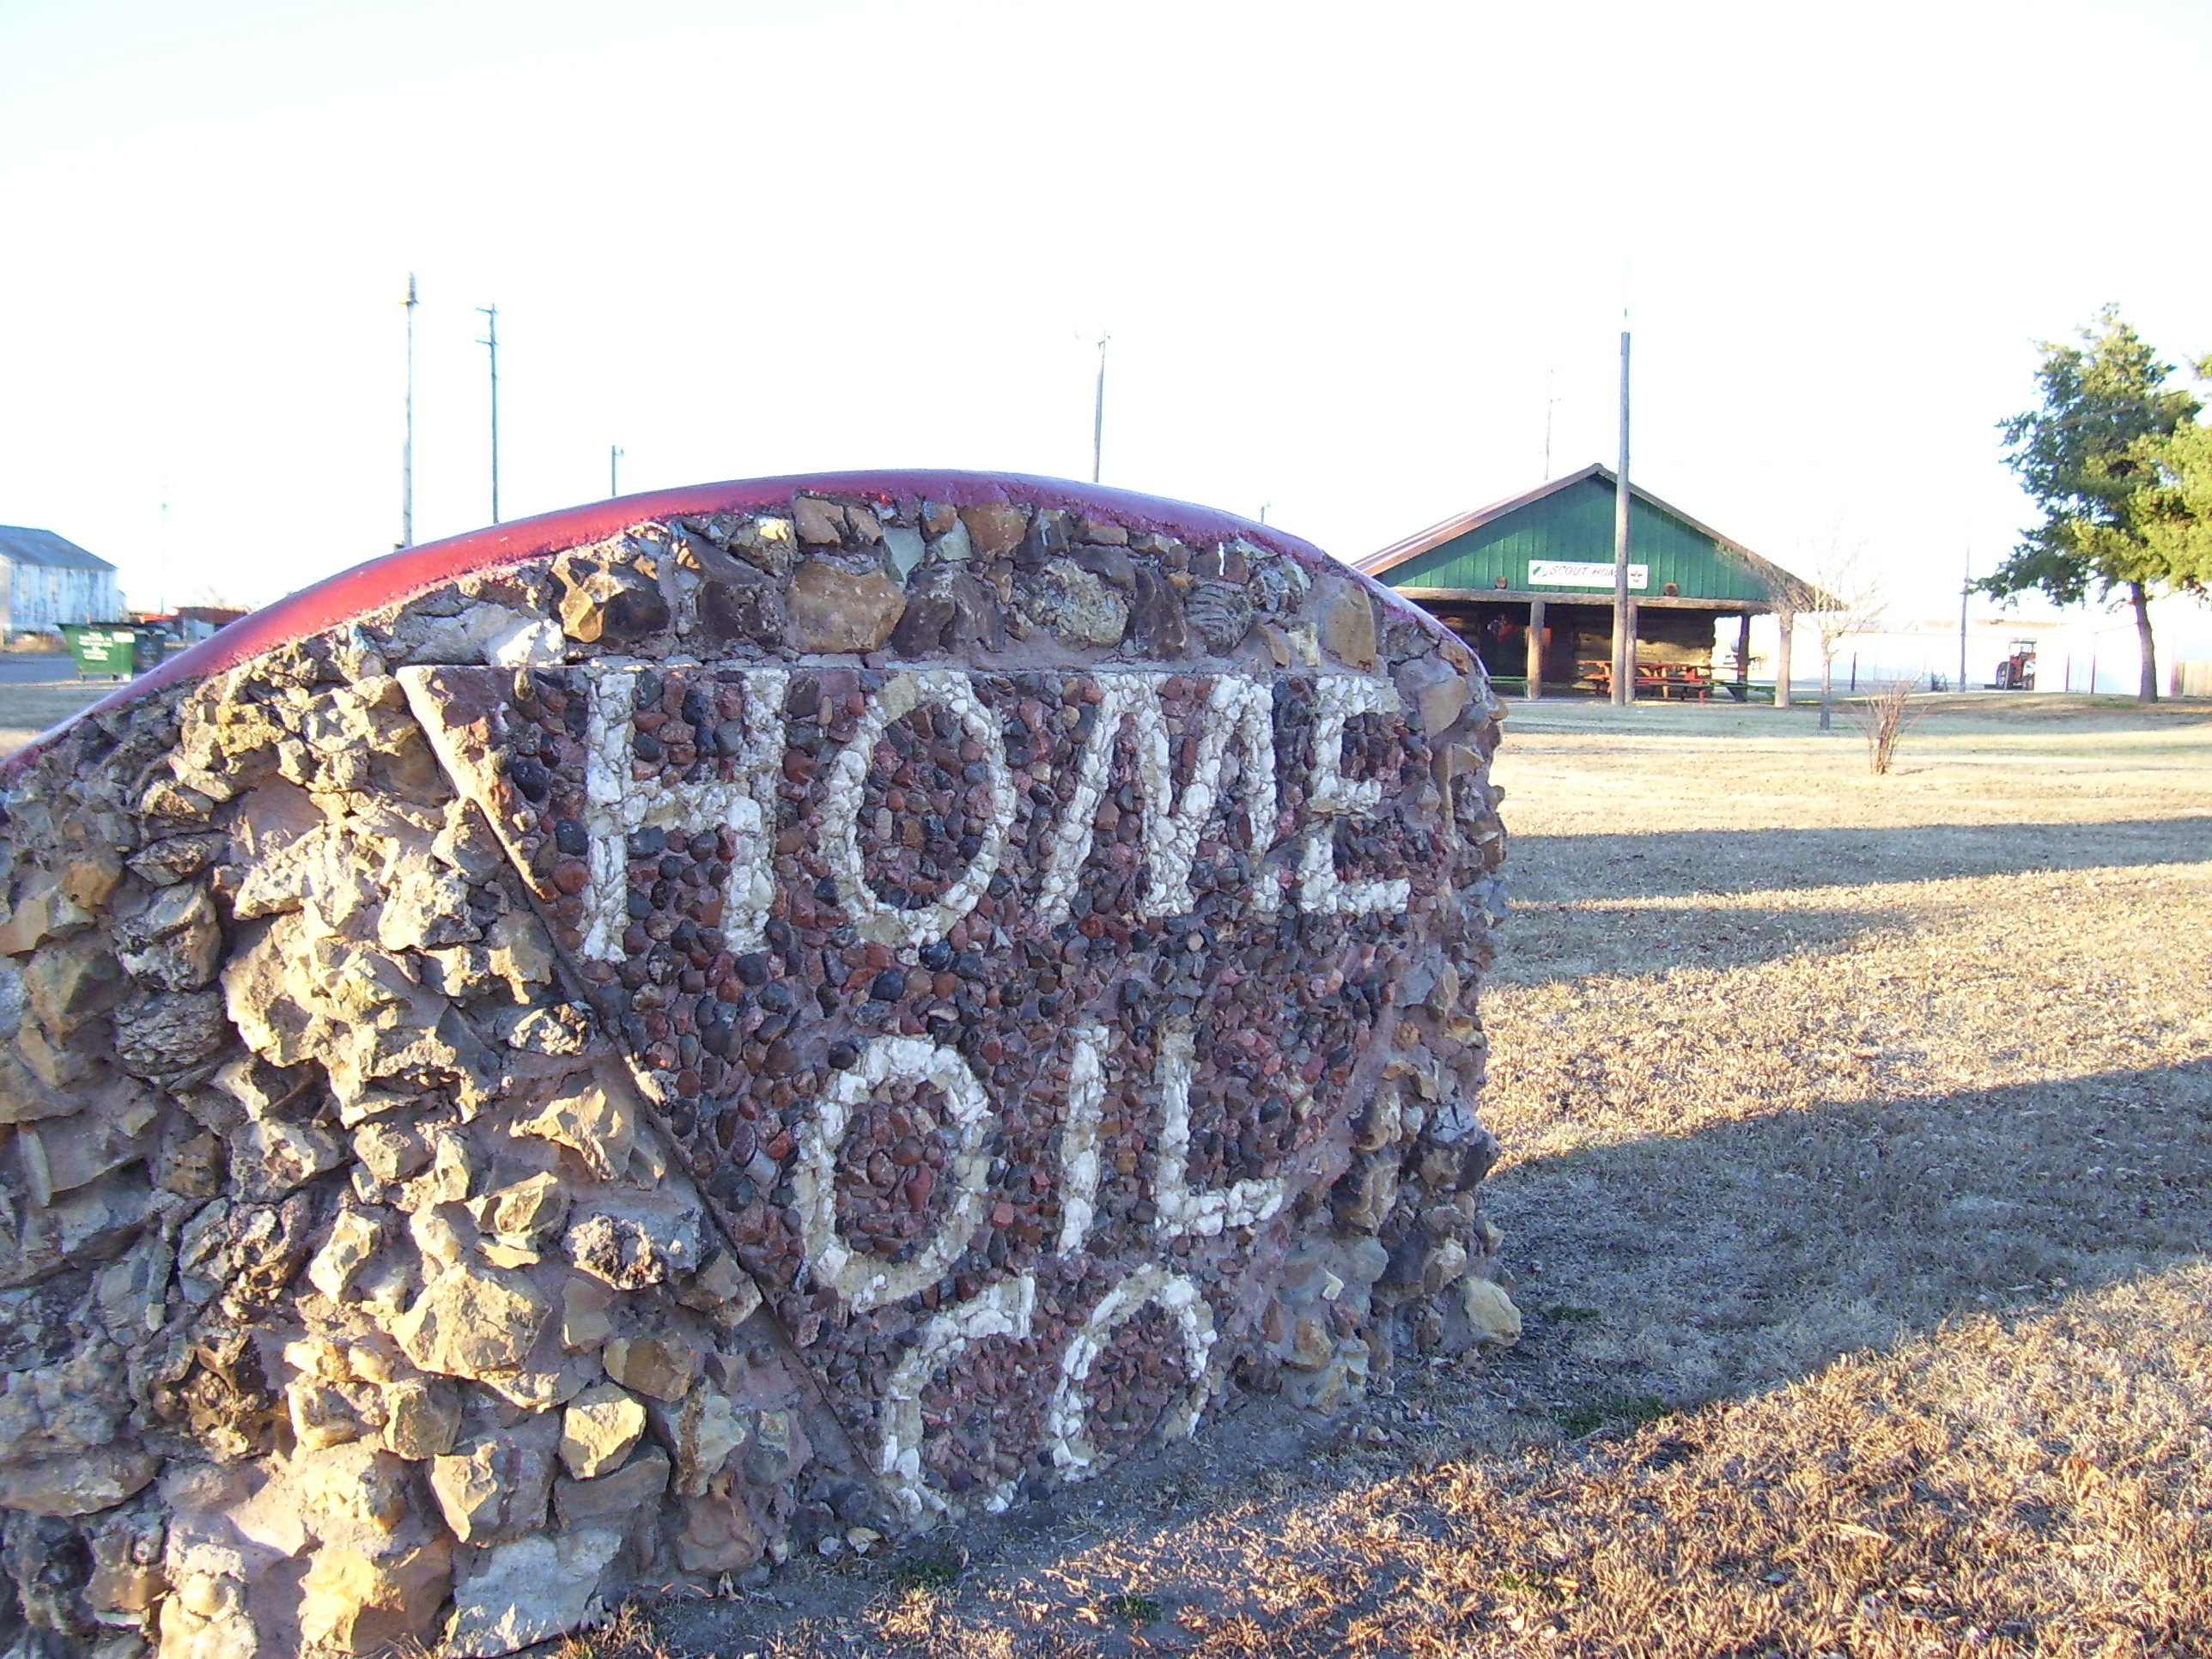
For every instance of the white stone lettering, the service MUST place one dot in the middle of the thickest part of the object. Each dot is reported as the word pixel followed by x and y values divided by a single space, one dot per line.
pixel 1078 1138
pixel 1124 697
pixel 864 1281
pixel 1207 1211
pixel 876 922
pixel 1071 1445
pixel 1240 714
pixel 1330 793
pixel 616 808
pixel 1004 1309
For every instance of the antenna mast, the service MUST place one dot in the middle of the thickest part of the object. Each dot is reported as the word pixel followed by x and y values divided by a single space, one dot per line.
pixel 407 448
pixel 1098 414
pixel 492 339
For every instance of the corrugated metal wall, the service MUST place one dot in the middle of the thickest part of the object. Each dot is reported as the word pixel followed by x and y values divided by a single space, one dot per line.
pixel 1577 523
pixel 41 597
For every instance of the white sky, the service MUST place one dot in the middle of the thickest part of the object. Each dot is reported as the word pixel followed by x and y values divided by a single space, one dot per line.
pixel 1339 248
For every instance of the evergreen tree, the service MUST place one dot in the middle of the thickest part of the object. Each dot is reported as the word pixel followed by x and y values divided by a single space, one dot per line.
pixel 2088 457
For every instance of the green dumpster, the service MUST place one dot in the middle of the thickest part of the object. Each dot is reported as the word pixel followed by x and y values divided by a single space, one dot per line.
pixel 109 648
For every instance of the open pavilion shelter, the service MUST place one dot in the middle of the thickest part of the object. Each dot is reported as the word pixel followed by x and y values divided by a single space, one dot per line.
pixel 1527 583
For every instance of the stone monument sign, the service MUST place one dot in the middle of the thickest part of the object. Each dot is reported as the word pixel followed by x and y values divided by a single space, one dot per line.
pixel 743 1021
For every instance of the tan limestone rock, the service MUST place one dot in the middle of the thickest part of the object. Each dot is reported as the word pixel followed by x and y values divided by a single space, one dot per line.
pixel 43 910
pixel 495 1487
pixel 595 1124
pixel 994 530
pixel 719 1534
pixel 355 1494
pixel 530 1590
pixel 78 1483
pixel 1347 626
pixel 617 1499
pixel 819 522
pixel 473 1319
pixel 527 1209
pixel 1496 1321
pixel 421 1419
pixel 654 1366
pixel 66 985
pixel 837 610
pixel 703 1429
pixel 356 1238
pixel 585 1323
pixel 1434 690
pixel 599 1429
pixel 352 1603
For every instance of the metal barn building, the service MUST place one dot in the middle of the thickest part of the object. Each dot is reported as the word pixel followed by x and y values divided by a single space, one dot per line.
pixel 45 581
pixel 1527 583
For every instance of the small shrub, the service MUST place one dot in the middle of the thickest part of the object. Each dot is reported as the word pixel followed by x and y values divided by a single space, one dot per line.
pixel 1134 1610
pixel 1583 1416
pixel 926 1572
pixel 1885 718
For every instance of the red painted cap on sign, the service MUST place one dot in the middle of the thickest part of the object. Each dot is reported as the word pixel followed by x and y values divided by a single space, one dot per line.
pixel 397 577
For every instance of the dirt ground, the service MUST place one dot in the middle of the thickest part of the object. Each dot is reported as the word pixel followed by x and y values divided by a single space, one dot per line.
pixel 1858 1180
pixel 38 690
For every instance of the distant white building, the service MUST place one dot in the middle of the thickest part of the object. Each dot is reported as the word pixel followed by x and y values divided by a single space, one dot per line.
pixel 45 581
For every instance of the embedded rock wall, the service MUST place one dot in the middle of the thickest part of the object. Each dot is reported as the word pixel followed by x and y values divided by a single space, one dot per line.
pixel 618 1050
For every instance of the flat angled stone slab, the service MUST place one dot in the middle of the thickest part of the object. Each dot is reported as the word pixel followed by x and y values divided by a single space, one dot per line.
pixel 730 1022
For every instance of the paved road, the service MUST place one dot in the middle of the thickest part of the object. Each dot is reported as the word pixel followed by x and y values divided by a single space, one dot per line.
pixel 39 669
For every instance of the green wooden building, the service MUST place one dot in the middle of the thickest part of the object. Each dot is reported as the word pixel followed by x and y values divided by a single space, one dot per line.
pixel 1527 583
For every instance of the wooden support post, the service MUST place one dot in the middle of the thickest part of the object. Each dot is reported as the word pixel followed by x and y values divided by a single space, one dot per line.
pixel 1786 621
pixel 1535 651
pixel 1743 650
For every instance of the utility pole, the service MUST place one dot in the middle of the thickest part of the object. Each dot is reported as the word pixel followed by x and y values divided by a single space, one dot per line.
pixel 614 477
pixel 1624 646
pixel 492 339
pixel 1965 588
pixel 407 448
pixel 1550 377
pixel 1264 506
pixel 1098 414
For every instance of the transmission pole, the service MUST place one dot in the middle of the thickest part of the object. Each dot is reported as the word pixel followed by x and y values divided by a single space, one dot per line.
pixel 492 339
pixel 407 449
pixel 1550 403
pixel 1965 593
pixel 1098 414
pixel 1624 645
pixel 615 453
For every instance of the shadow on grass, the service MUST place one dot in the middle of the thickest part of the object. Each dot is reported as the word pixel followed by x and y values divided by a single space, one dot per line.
pixel 1687 863
pixel 1656 1274
pixel 1747 1254
pixel 1543 942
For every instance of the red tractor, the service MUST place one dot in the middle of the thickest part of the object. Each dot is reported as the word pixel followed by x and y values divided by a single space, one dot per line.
pixel 2016 672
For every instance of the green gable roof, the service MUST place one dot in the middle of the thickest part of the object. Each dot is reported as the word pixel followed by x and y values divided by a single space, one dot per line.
pixel 1570 521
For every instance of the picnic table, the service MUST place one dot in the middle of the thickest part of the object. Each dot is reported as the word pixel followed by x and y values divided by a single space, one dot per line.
pixel 1665 680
